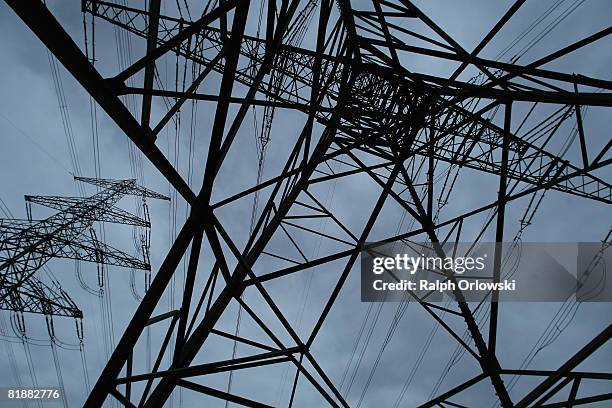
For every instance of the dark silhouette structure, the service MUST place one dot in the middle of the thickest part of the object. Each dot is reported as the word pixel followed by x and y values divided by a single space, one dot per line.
pixel 370 113
pixel 27 245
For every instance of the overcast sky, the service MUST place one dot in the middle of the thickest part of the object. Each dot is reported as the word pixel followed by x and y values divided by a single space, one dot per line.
pixel 36 160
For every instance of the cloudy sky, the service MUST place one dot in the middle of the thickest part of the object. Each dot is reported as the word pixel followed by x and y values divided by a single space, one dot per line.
pixel 416 358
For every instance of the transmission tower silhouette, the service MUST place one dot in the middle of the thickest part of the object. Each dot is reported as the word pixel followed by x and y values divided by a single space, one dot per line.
pixel 363 77
pixel 27 245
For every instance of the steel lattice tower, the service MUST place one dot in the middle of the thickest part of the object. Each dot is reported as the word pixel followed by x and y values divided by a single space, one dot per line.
pixel 27 245
pixel 366 112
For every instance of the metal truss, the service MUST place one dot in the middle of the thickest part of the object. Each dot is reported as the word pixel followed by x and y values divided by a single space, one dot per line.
pixel 411 133
pixel 27 245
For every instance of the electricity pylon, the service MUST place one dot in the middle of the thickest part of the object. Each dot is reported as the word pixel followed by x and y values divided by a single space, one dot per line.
pixel 27 245
pixel 370 111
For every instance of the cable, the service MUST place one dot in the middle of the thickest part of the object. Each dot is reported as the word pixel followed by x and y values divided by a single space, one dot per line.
pixel 58 371
pixel 37 145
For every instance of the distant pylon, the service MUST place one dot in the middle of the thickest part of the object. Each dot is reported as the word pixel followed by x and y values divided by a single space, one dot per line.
pixel 27 245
